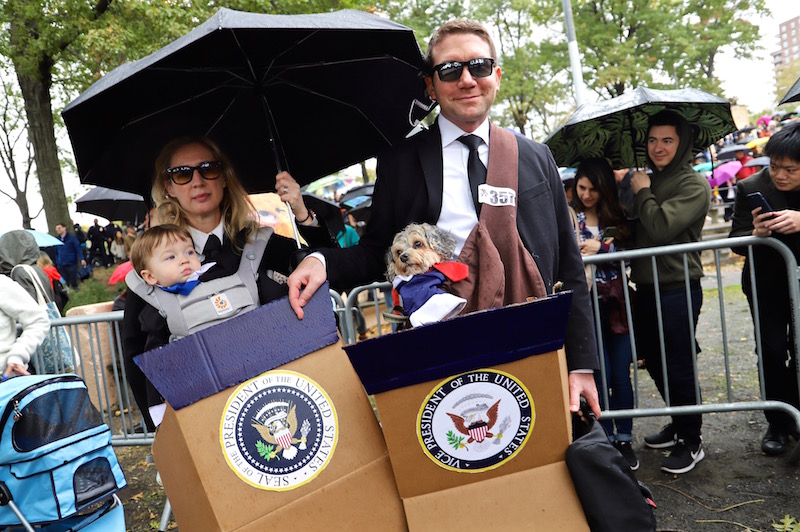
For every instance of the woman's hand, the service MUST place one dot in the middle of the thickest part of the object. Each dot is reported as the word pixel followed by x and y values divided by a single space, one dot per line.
pixel 589 247
pixel 12 370
pixel 289 191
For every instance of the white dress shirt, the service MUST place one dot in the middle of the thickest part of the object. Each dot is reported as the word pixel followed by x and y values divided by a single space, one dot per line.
pixel 458 215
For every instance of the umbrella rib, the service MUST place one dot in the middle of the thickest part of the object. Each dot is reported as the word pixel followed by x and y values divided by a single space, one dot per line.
pixel 176 104
pixel 346 104
pixel 295 67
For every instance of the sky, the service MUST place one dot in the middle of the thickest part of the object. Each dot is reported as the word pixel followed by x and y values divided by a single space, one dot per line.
pixel 748 79
pixel 751 80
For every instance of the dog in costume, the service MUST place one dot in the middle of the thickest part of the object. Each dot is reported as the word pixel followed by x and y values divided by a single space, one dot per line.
pixel 419 262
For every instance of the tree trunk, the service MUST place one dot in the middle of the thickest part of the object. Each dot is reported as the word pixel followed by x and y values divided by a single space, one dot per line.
pixel 36 93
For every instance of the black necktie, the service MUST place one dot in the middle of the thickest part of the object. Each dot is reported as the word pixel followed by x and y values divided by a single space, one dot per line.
pixel 476 172
pixel 212 249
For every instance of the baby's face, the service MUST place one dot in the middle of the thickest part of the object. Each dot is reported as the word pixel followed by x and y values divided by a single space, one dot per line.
pixel 173 261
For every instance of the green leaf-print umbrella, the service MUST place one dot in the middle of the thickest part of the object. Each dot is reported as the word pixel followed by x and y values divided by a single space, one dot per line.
pixel 617 129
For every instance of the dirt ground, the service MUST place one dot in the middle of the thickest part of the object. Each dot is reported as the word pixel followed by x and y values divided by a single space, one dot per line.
pixel 736 487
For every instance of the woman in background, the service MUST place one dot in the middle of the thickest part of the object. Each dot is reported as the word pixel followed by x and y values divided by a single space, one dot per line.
pixel 603 229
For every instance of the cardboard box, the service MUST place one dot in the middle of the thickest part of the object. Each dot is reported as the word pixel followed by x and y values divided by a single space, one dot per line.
pixel 475 415
pixel 337 472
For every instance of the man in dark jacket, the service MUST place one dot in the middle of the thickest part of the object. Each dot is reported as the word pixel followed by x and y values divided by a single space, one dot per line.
pixel 780 185
pixel 69 257
pixel 427 179
pixel 97 239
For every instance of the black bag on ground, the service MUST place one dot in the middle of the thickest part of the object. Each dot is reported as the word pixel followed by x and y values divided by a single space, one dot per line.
pixel 611 497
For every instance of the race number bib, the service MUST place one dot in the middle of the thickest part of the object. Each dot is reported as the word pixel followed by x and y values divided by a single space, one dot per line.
pixel 496 196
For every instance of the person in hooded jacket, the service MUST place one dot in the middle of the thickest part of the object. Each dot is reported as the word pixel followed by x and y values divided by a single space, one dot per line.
pixel 670 205
pixel 19 247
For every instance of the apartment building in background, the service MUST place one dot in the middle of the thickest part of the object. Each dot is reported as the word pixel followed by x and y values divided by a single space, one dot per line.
pixel 789 42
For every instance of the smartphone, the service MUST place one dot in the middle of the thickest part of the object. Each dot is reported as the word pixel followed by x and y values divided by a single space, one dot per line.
pixel 609 233
pixel 757 199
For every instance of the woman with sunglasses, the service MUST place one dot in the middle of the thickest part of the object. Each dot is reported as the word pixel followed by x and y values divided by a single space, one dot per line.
pixel 603 229
pixel 196 188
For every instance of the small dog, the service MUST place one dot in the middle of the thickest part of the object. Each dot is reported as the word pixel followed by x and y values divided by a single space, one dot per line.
pixel 417 248
pixel 418 263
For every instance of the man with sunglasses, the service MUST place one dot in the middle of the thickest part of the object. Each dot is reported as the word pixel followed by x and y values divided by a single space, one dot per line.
pixel 435 177
pixel 779 183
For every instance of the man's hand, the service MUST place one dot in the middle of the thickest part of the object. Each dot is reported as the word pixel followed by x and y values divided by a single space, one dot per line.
pixel 639 181
pixel 308 277
pixel 582 385
pixel 784 222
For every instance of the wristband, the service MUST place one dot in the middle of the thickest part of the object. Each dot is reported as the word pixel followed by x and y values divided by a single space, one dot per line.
pixel 304 220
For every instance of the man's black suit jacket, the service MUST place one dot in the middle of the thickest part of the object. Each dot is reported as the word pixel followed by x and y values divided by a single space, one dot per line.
pixel 409 189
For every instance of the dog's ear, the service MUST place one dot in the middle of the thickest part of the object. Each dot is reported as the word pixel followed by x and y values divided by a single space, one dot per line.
pixel 440 241
pixel 390 270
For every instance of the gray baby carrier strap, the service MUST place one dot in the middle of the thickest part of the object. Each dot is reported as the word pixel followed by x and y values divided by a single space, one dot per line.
pixel 211 301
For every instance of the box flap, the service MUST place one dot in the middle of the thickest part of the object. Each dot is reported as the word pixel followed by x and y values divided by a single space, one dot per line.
pixel 480 339
pixel 235 350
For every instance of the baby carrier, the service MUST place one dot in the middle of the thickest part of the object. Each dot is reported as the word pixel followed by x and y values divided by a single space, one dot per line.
pixel 55 455
pixel 210 302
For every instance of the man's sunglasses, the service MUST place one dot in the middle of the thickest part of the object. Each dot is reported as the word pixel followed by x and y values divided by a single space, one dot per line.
pixel 181 175
pixel 480 67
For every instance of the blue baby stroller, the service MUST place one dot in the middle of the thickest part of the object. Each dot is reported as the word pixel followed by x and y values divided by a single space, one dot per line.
pixel 56 460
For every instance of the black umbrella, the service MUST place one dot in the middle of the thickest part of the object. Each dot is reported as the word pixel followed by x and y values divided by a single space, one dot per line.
pixel 617 128
pixel 729 152
pixel 793 95
pixel 327 210
pixel 746 129
pixel 357 196
pixel 307 93
pixel 112 204
pixel 758 161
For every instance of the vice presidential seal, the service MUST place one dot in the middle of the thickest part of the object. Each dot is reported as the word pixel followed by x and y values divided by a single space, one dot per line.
pixel 278 430
pixel 475 421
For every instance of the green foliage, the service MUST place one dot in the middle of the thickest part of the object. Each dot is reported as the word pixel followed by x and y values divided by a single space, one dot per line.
pixel 784 81
pixel 787 524
pixel 627 43
pixel 265 451
pixel 94 290
pixel 622 41
pixel 456 441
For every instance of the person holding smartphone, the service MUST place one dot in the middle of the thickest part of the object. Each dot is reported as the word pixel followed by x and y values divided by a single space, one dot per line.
pixel 603 229
pixel 775 213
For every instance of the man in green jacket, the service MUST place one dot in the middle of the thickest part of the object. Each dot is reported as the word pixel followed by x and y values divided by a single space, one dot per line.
pixel 671 205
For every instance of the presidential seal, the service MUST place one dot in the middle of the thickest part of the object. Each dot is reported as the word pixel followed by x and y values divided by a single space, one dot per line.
pixel 475 421
pixel 278 430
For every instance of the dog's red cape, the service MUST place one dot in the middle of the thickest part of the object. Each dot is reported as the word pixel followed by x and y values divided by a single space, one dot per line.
pixel 455 271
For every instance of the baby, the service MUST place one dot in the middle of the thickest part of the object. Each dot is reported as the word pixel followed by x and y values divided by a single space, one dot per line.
pixel 164 256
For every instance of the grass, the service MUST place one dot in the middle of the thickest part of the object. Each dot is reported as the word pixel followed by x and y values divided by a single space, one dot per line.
pixel 95 289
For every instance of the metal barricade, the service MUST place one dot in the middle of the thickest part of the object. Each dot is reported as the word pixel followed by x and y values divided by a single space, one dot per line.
pixel 730 402
pixel 377 291
pixel 97 359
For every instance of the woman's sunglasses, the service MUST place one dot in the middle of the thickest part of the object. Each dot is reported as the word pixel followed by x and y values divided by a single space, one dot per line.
pixel 480 67
pixel 181 175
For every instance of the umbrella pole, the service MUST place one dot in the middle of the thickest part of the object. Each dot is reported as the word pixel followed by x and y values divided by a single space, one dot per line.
pixel 280 168
pixel 294 226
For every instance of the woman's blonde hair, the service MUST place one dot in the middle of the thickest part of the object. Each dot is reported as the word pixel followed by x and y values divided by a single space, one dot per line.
pixel 236 210
pixel 44 260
